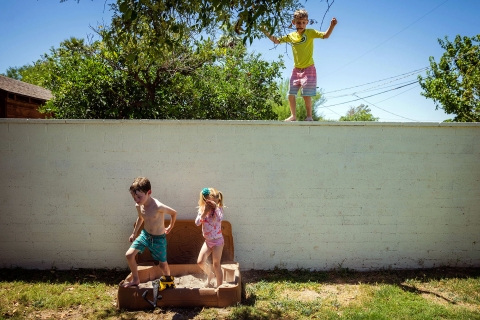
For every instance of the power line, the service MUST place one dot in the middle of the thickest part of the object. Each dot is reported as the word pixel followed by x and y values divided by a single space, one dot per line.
pixel 398 94
pixel 369 103
pixel 387 39
pixel 379 87
pixel 402 76
pixel 334 112
pixel 376 94
pixel 383 101
pixel 361 85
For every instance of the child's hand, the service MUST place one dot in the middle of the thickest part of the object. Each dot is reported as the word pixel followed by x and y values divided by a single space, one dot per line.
pixel 131 238
pixel 210 206
pixel 334 21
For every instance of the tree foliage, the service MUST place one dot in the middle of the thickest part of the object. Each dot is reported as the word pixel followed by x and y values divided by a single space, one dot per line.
pixel 16 72
pixel 145 69
pixel 360 113
pixel 88 84
pixel 84 86
pixel 30 73
pixel 166 17
pixel 454 82
pixel 239 85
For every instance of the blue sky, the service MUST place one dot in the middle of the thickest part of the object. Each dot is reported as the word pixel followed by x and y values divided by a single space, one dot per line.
pixel 374 40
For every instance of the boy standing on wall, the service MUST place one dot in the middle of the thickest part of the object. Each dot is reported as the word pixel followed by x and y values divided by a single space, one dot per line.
pixel 304 74
pixel 152 213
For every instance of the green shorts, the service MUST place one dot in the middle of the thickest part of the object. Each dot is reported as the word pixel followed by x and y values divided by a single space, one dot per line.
pixel 156 244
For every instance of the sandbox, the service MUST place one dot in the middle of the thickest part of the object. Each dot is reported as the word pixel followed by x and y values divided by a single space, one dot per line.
pixel 184 243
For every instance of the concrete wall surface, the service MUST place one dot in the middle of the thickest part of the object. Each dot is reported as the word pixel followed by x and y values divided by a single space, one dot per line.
pixel 359 195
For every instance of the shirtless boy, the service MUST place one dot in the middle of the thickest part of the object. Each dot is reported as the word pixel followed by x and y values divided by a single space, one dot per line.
pixel 152 213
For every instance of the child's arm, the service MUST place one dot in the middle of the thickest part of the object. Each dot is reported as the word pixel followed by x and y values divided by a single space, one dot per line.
pixel 199 219
pixel 138 223
pixel 269 36
pixel 333 23
pixel 173 215
pixel 208 208
pixel 219 213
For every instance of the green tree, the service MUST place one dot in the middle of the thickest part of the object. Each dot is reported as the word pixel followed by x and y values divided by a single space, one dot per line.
pixel 239 85
pixel 175 65
pixel 454 82
pixel 83 86
pixel 283 109
pixel 243 16
pixel 15 72
pixel 144 53
pixel 233 85
pixel 360 113
pixel 30 73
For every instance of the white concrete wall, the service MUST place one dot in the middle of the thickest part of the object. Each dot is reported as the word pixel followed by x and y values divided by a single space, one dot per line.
pixel 299 195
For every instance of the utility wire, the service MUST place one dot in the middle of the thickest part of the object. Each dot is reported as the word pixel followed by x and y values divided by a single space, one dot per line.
pixel 398 94
pixel 383 85
pixel 334 112
pixel 369 103
pixel 371 89
pixel 376 94
pixel 387 39
pixel 382 101
pixel 361 85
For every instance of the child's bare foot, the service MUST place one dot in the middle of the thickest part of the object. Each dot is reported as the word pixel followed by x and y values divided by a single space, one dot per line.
pixel 208 283
pixel 131 283
pixel 291 118
pixel 308 119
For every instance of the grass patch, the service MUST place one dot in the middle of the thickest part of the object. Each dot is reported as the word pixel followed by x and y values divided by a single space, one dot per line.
pixel 441 293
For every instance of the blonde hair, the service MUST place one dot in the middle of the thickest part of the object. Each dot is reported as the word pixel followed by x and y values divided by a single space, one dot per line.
pixel 300 14
pixel 211 192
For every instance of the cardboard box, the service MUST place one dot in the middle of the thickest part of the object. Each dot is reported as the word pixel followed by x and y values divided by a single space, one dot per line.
pixel 183 246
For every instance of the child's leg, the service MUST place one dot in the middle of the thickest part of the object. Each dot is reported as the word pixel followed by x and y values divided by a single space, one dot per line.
pixel 293 108
pixel 130 255
pixel 165 268
pixel 308 106
pixel 167 280
pixel 202 261
pixel 294 85
pixel 309 89
pixel 216 257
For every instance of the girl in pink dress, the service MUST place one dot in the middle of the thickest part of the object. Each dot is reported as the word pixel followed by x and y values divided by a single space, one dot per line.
pixel 210 216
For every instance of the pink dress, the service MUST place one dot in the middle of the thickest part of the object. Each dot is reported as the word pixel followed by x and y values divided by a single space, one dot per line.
pixel 211 227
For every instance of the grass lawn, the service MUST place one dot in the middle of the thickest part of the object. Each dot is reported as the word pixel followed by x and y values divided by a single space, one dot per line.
pixel 441 293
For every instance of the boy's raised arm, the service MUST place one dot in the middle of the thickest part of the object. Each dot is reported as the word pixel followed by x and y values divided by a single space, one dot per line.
pixel 329 31
pixel 269 36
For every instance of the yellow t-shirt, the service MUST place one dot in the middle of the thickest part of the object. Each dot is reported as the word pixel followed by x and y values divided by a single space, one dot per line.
pixel 302 46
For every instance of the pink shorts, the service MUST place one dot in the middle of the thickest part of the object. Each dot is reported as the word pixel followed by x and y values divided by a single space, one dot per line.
pixel 304 79
pixel 214 242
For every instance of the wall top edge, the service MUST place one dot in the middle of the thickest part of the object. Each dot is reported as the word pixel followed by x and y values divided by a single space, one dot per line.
pixel 240 122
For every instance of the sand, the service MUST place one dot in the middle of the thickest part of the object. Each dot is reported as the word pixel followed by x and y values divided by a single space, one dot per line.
pixel 190 281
